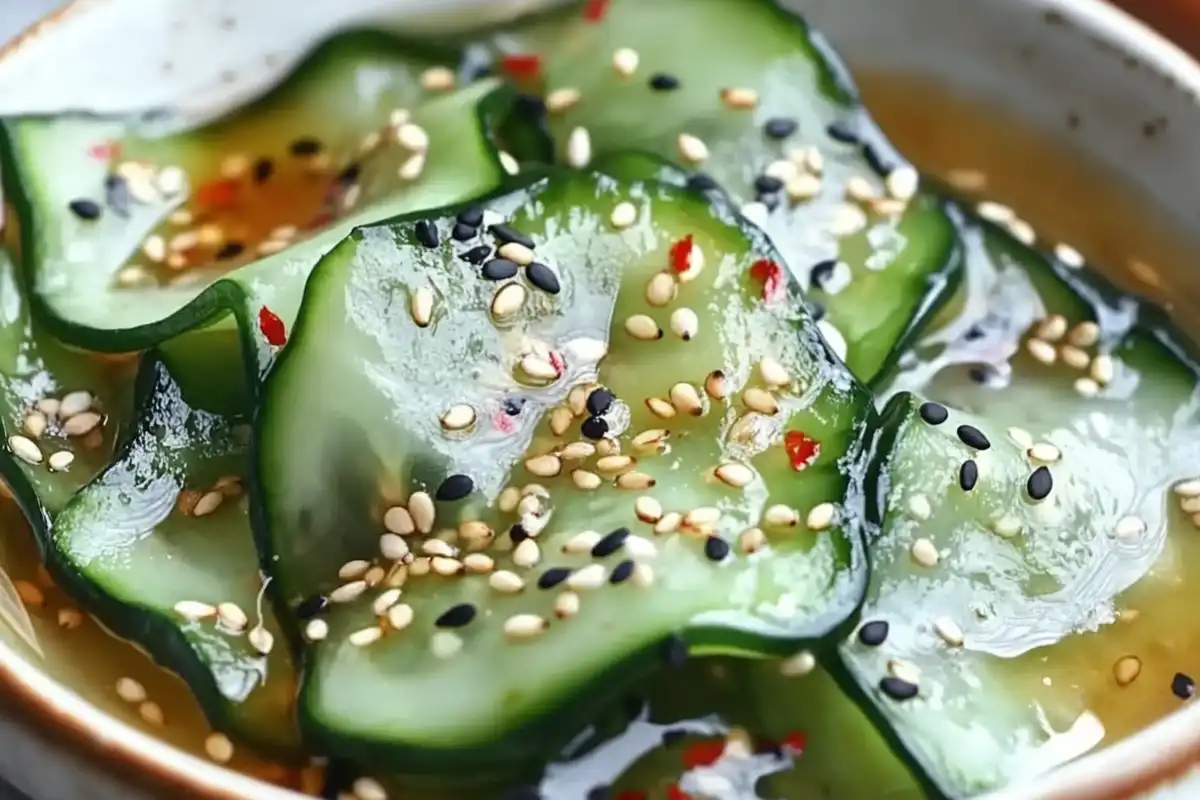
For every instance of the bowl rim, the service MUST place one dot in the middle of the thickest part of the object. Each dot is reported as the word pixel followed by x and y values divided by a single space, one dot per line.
pixel 1159 753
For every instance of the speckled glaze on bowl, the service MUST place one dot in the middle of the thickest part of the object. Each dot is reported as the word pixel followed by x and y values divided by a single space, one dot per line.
pixel 1074 68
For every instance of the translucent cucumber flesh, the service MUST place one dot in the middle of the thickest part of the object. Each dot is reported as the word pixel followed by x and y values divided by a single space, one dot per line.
pixel 891 251
pixel 129 548
pixel 268 224
pixel 796 587
pixel 1053 613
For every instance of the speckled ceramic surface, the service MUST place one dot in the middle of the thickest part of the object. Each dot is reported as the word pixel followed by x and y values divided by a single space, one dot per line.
pixel 1075 68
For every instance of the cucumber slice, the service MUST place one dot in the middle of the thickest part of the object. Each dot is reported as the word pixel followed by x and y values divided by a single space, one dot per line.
pixel 231 217
pixel 514 390
pixel 161 540
pixel 1009 646
pixel 769 112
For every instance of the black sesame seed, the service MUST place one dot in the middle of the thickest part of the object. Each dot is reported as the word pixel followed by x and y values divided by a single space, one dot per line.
pixel 349 175
pixel 499 269
pixel 426 232
pixel 513 405
pixel 841 132
pixel 529 106
pixel 610 543
pixel 455 487
pixel 663 82
pixel 968 475
pixel 874 633
pixel 716 548
pixel 821 272
pixel 973 437
pixel 543 278
pixel 1182 686
pixel 230 250
pixel 601 792
pixel 876 160
pixel 476 255
pixel 673 735
pixel 85 209
pixel 116 195
pixel 508 234
pixel 463 233
pixel 675 649
pixel 621 572
pixel 264 168
pixel 898 688
pixel 934 413
pixel 780 127
pixel 553 577
pixel 599 402
pixel 771 201
pixel 767 184
pixel 471 215
pixel 974 333
pixel 311 606
pixel 305 146
pixel 701 182
pixel 594 428
pixel 456 616
pixel 1040 483
pixel 981 374
pixel 518 533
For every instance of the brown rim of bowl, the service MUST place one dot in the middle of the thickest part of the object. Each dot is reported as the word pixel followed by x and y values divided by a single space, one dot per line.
pixel 1161 752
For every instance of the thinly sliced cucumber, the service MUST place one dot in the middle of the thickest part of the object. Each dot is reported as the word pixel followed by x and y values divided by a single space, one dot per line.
pixel 748 95
pixel 1009 619
pixel 511 686
pixel 321 154
pixel 166 524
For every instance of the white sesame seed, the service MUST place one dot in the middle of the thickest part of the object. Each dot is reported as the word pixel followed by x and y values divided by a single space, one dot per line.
pixel 61 461
pixel 625 61
pixel 131 691
pixel 353 570
pixel 585 480
pixel 686 399
pixel 232 616
pixel 623 215
pixel 437 79
pixel 701 518
pixel 919 508
pixel 1069 256
pixel 422 511
pixel 1041 350
pixel 261 639
pixel 509 163
pixel 593 576
pixel 508 300
pixel 81 424
pixel 734 474
pixel 669 523
pixel 49 406
pixel 348 592
pixel 412 137
pixel 640 547
pixel 660 408
pixel 365 636
pixel 368 789
pixel 544 466
pixel 385 601
pixel 1187 488
pixel 35 424
pixel 478 563
pixel 648 509
pixel 1085 334
pixel 634 480
pixel 170 180
pixel 773 373
pixel 1087 387
pixel 691 148
pixel 475 533
pixel 526 554
pixel 1130 527
pixel 1190 505
pixel 1044 452
pixel 684 323
pixel 1006 526
pixel 208 503
pixel 69 618
pixel 539 368
pixel 315 630
pixel 151 714
pixel 642 327
pixel 422 307
pixel 458 417
pixel 904 670
pixel 783 169
pixel 526 626
pixel 860 189
pixel 902 183
pixel 507 582
pixel 445 644
pixel 194 611
pixel 693 267
pixel 508 499
pixel 1052 328
pixel 949 631
pixel 559 100
pixel 751 540
pixel 1074 357
pixel 397 520
pixel 576 451
pixel 995 212
pixel 75 403
pixel 579 148
pixel 798 665
pixel 804 186
pixel 820 516
pixel 660 290
pixel 1022 231
pixel 761 401
pixel 833 337
pixel 25 449
pixel 651 439
pixel 437 547
pixel 924 552
pixel 516 253
pixel 848 219
pixel 219 748
pixel 1102 369
pixel 155 248
pixel 566 605
pixel 1021 436
pixel 756 213
pixel 374 575
pixel 780 516
pixel 411 168
pixel 643 575
pixel 739 98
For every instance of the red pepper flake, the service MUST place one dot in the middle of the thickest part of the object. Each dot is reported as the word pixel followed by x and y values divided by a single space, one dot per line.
pixel 703 754
pixel 802 449
pixel 675 793
pixel 558 362
pixel 504 422
pixel 795 741
pixel 681 254
pixel 769 274
pixel 103 151
pixel 522 65
pixel 272 327
pixel 217 193
pixel 595 10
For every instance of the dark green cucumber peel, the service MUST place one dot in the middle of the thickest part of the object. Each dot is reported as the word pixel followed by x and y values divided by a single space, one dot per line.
pixel 359 302
pixel 901 264
pixel 125 552
pixel 48 165
pixel 1023 580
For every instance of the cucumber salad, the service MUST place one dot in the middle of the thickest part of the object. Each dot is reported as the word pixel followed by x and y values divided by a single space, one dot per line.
pixel 596 408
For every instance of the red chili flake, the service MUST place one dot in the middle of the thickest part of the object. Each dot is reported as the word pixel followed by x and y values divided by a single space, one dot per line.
pixel 802 449
pixel 681 254
pixel 103 151
pixel 272 327
pixel 503 422
pixel 769 274
pixel 595 10
pixel 795 741
pixel 217 193
pixel 703 754
pixel 675 793
pixel 558 362
pixel 522 65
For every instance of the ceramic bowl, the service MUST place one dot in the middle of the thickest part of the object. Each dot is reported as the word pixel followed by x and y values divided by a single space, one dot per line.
pixel 1043 61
